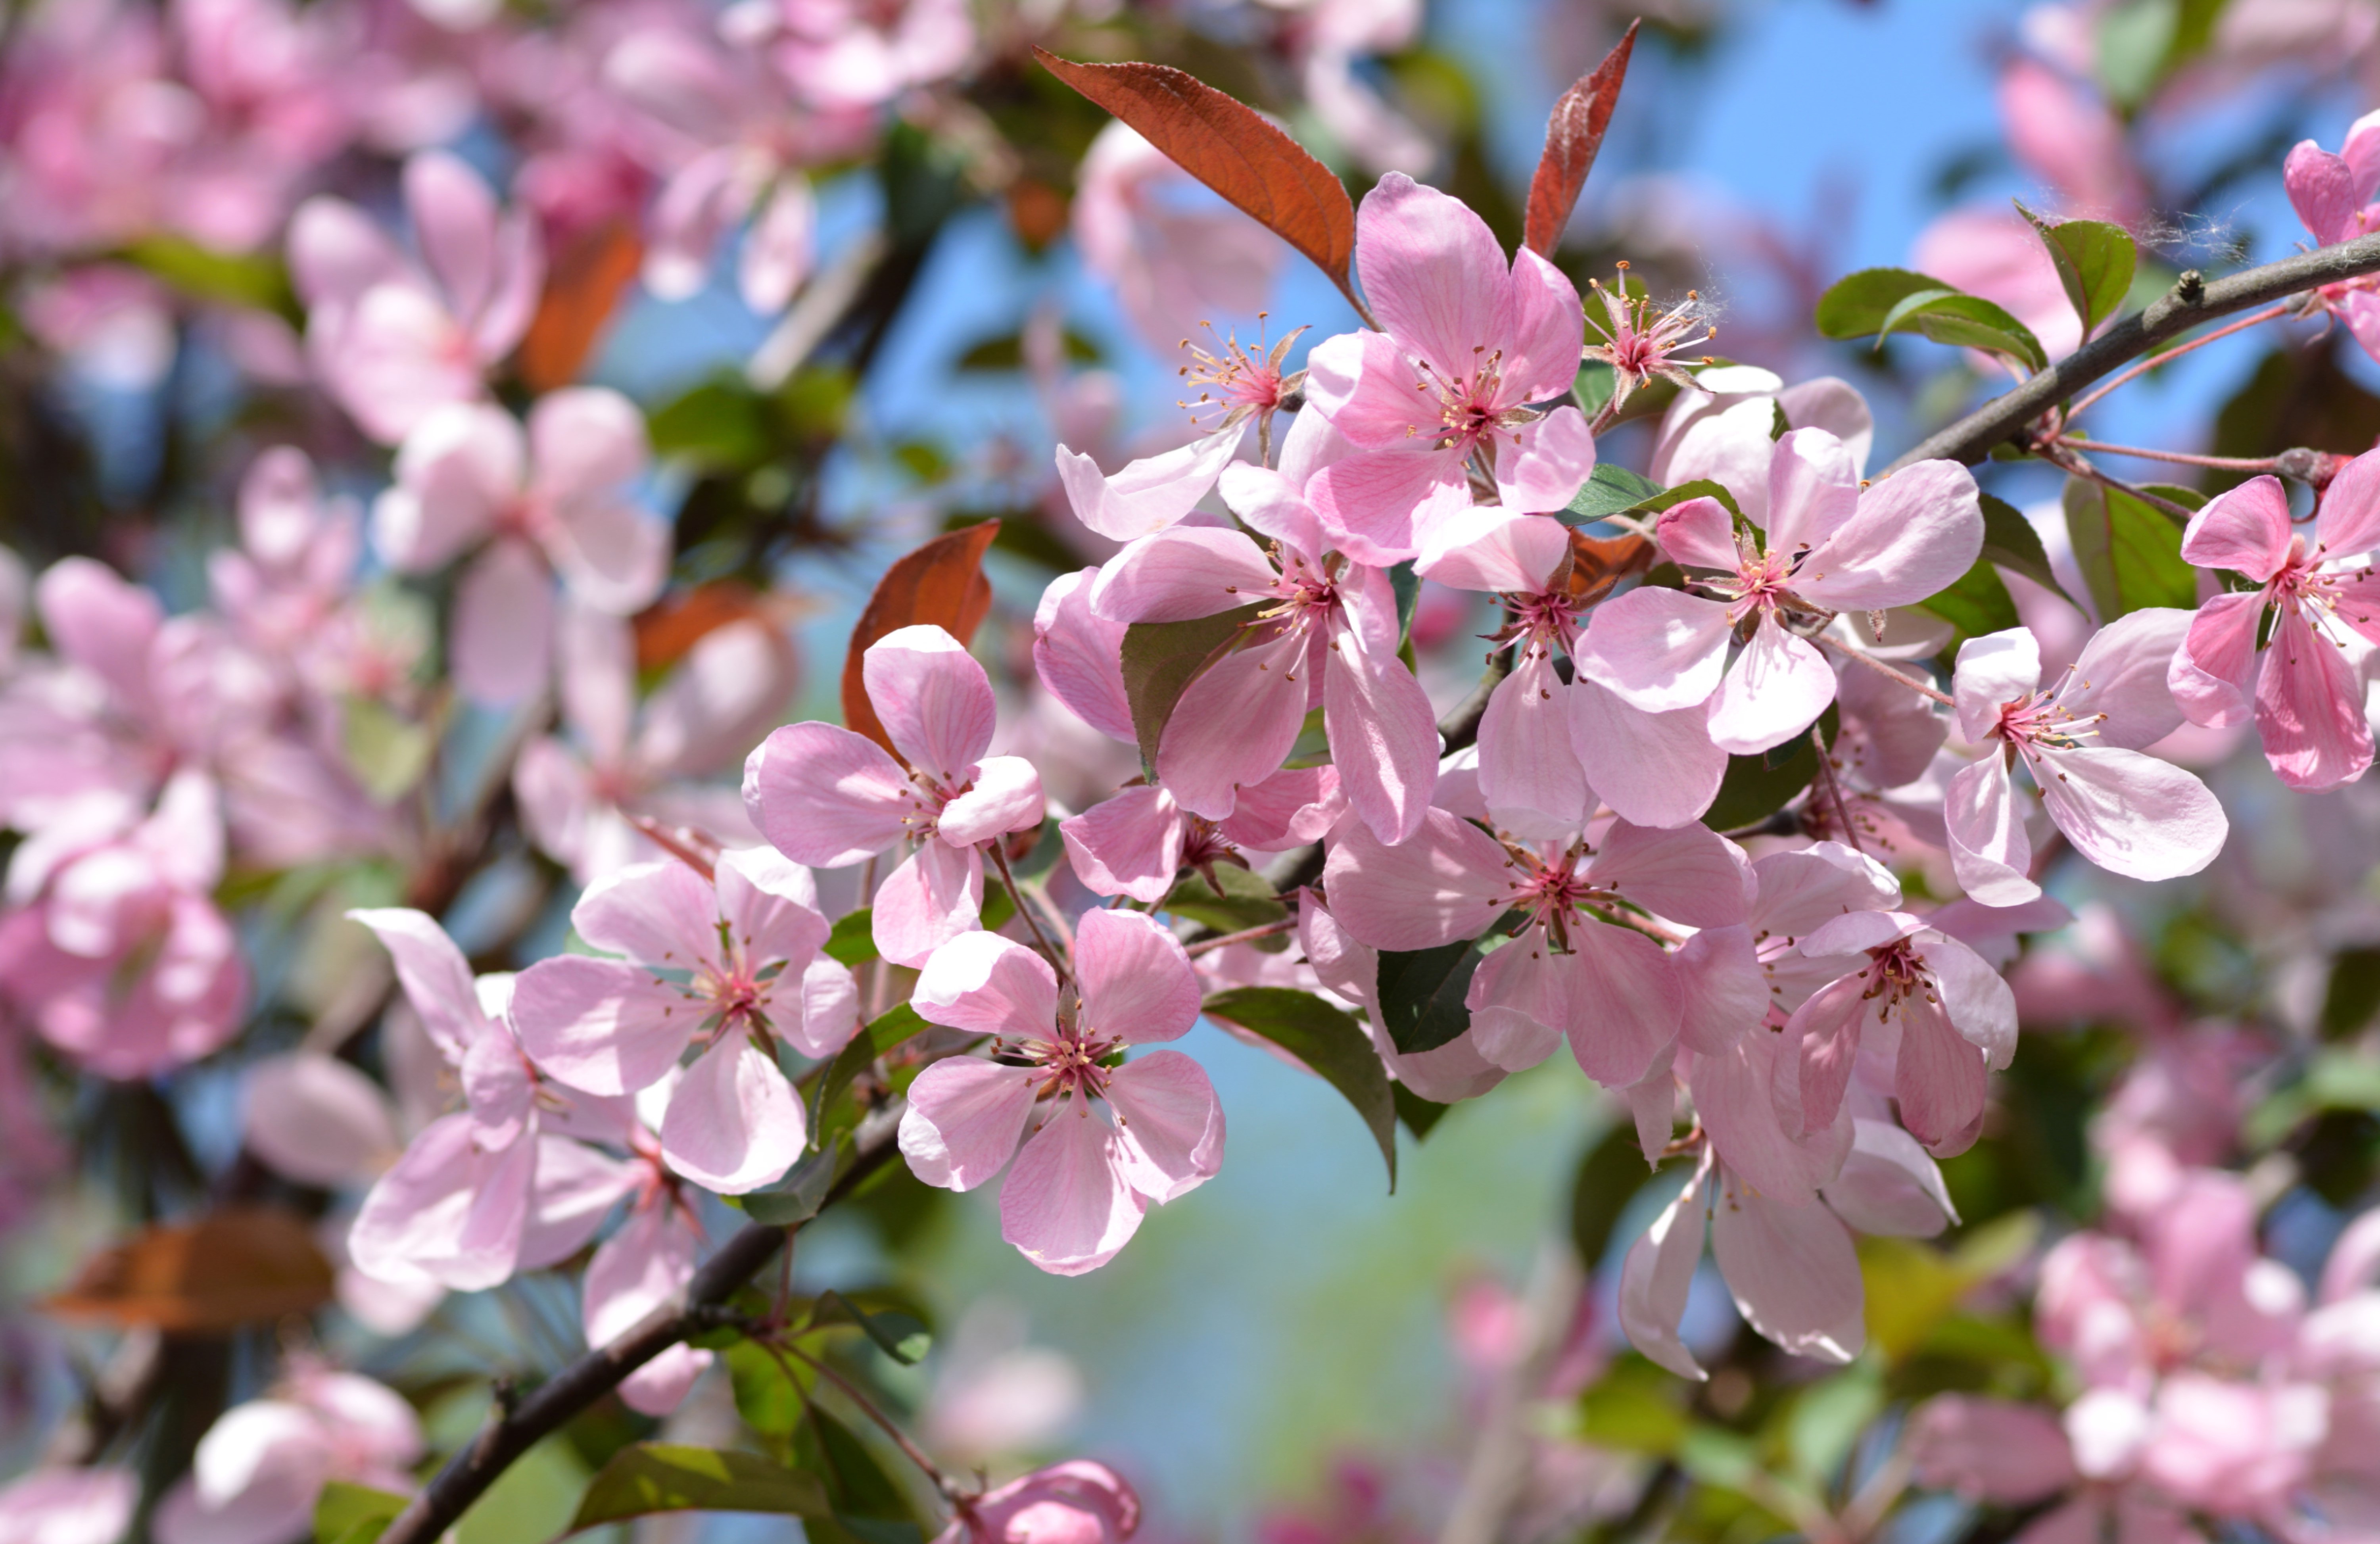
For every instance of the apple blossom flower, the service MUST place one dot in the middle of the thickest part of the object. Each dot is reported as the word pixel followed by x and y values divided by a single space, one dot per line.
pixel 1574 968
pixel 60 1506
pixel 831 798
pixel 487 1190
pixel 647 1262
pixel 261 1467
pixel 1135 844
pixel 857 53
pixel 1174 254
pixel 749 945
pixel 1331 637
pixel 2308 693
pixel 2332 195
pixel 318 1120
pixel 287 582
pixel 1471 342
pixel 1079 1186
pixel 1725 430
pixel 1639 345
pixel 392 340
pixel 548 500
pixel 2126 811
pixel 1830 545
pixel 1075 1502
pixel 2072 141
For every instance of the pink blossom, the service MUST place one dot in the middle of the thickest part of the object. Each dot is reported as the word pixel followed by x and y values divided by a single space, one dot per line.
pixel 115 951
pixel 625 759
pixel 644 1264
pixel 2333 194
pixel 1990 1450
pixel 1079 1186
pixel 2071 141
pixel 1075 1502
pixel 288 581
pixel 487 1190
pixel 1725 430
pixel 750 943
pixel 854 53
pixel 1469 342
pixel 1331 639
pixel 1135 844
pixel 2080 740
pixel 1574 967
pixel 1548 750
pixel 318 1120
pixel 1830 546
pixel 69 1506
pixel 548 500
pixel 261 1467
pixel 1175 254
pixel 393 340
pixel 831 798
pixel 2307 693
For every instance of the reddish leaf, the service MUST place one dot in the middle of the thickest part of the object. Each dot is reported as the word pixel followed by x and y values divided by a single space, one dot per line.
pixel 1598 563
pixel 941 584
pixel 581 295
pixel 238 1266
pixel 1230 147
pixel 1573 134
pixel 670 628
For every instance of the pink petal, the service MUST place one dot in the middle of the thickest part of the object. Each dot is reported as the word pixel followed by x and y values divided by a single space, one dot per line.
pixel 456 474
pixel 662 915
pixel 1836 406
pixel 1791 1271
pixel 1658 650
pixel 1066 1205
pixel 2348 523
pixel 1168 1125
pixel 769 902
pixel 1994 669
pixel 734 1122
pixel 1520 999
pixel 640 1268
pixel 1374 505
pixel 585 441
pixel 2310 710
pixel 1365 387
pixel 2245 530
pixel 1659 1270
pixel 503 638
pixel 933 898
pixel 2212 676
pixel 1624 1000
pixel 1802 891
pixel 987 985
pixel 963 1119
pixel 934 700
pixel 1078 656
pixel 1237 721
pixel 1435 275
pixel 1541 469
pixel 1776 689
pixel 317 1120
pixel 1448 883
pixel 2122 675
pixel 1529 773
pixel 337 253
pixel 1136 983
pixel 576 1188
pixel 1383 736
pixel 2131 813
pixel 1293 805
pixel 1748 1100
pixel 446 1211
pixel 436 978
pixel 1006 797
pixel 826 797
pixel 603 1026
pixel 398 357
pixel 1496 551
pixel 1541 359
pixel 1130 845
pixel 1690 874
pixel 779 247
pixel 1938 1079
pixel 1150 494
pixel 455 221
pixel 1822 1038
pixel 829 1010
pixel 1699 533
pixel 1914 534
pixel 1652 769
pixel 1722 992
pixel 100 621
pixel 2322 190
pixel 1991 1450
pixel 1813 490
pixel 1890 1185
pixel 1990 853
pixel 1177 574
pixel 1269 504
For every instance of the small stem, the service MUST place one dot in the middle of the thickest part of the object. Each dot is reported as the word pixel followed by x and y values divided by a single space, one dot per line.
pixel 1920 687
pixel 1263 439
pixel 1016 896
pixel 2063 456
pixel 1608 414
pixel 1250 935
pixel 1835 787
pixel 2183 457
pixel 679 845
pixel 2255 319
pixel 891 1429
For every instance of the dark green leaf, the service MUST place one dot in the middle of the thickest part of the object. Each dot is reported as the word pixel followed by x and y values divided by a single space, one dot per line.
pixel 2129 553
pixel 1856 305
pixel 721 424
pixel 1161 659
pixel 1609 1177
pixel 1333 1045
pixel 898 1334
pixel 2011 541
pixel 1246 900
pixel 1007 352
pixel 2354 992
pixel 798 1196
pixel 1419 1115
pixel 853 939
pixel 1757 786
pixel 849 1065
pixel 895 1025
pixel 1610 488
pixel 1420 992
pixel 1977 604
pixel 1405 581
pixel 1880 301
pixel 350 1514
pixel 2095 262
pixel 867 1505
pixel 772 1389
pixel 651 1478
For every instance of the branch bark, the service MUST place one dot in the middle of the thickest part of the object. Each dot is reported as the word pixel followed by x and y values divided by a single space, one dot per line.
pixel 2186 305
pixel 514 1431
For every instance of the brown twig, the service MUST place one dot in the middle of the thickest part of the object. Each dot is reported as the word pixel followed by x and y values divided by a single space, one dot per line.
pixel 1248 935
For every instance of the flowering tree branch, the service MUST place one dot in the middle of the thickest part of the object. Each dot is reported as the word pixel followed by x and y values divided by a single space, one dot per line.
pixel 2191 301
pixel 577 1387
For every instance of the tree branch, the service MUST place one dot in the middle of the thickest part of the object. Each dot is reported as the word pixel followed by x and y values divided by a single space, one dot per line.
pixel 2191 301
pixel 469 1472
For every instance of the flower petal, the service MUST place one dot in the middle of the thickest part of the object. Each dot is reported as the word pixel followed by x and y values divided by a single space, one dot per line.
pixel 1529 773
pixel 1776 689
pixel 1168 1125
pixel 963 1119
pixel 658 914
pixel 1624 1002
pixel 1990 853
pixel 1130 845
pixel 1383 734
pixel 1237 721
pixel 1691 873
pixel 1447 883
pixel 603 1026
pixel 1066 1205
pixel 1659 1270
pixel 1150 493
pixel 989 985
pixel 502 641
pixel 1890 1184
pixel 1541 468
pixel 1914 534
pixel 2245 530
pixel 1079 655
pixel 1434 273
pixel 1658 649
pixel 1652 769
pixel 1006 797
pixel 935 896
pixel 934 700
pixel 2310 710
pixel 2131 813
pixel 2212 676
pixel 826 797
pixel 1136 981
pixel 733 1123
pixel 1791 1271
pixel 1177 574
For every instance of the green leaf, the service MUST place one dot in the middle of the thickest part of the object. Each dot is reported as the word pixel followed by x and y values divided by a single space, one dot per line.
pixel 867 1506
pixel 798 1196
pixel 853 938
pixel 1161 659
pixel 898 1334
pixel 772 1389
pixel 1404 582
pixel 1418 1113
pixel 2129 553
pixel 2095 262
pixel 1609 1174
pixel 1006 352
pixel 2353 995
pixel 2135 39
pixel 722 425
pixel 1246 900
pixel 841 1073
pixel 647 1477
pixel 1829 1417
pixel 350 1514
pixel 1976 605
pixel 1855 305
pixel 2011 541
pixel 1634 1407
pixel 1757 786
pixel 249 279
pixel 898 1022
pixel 1420 992
pixel 387 752
pixel 1333 1045
pixel 1610 488
pixel 1879 301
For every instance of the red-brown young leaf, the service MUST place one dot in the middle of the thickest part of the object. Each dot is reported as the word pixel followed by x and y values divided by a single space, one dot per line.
pixel 578 301
pixel 1573 134
pixel 1229 146
pixel 242 1265
pixel 941 584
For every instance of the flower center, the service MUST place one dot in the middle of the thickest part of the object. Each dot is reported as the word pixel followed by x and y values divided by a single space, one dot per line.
pixel 1237 385
pixel 1897 974
pixel 1071 1061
